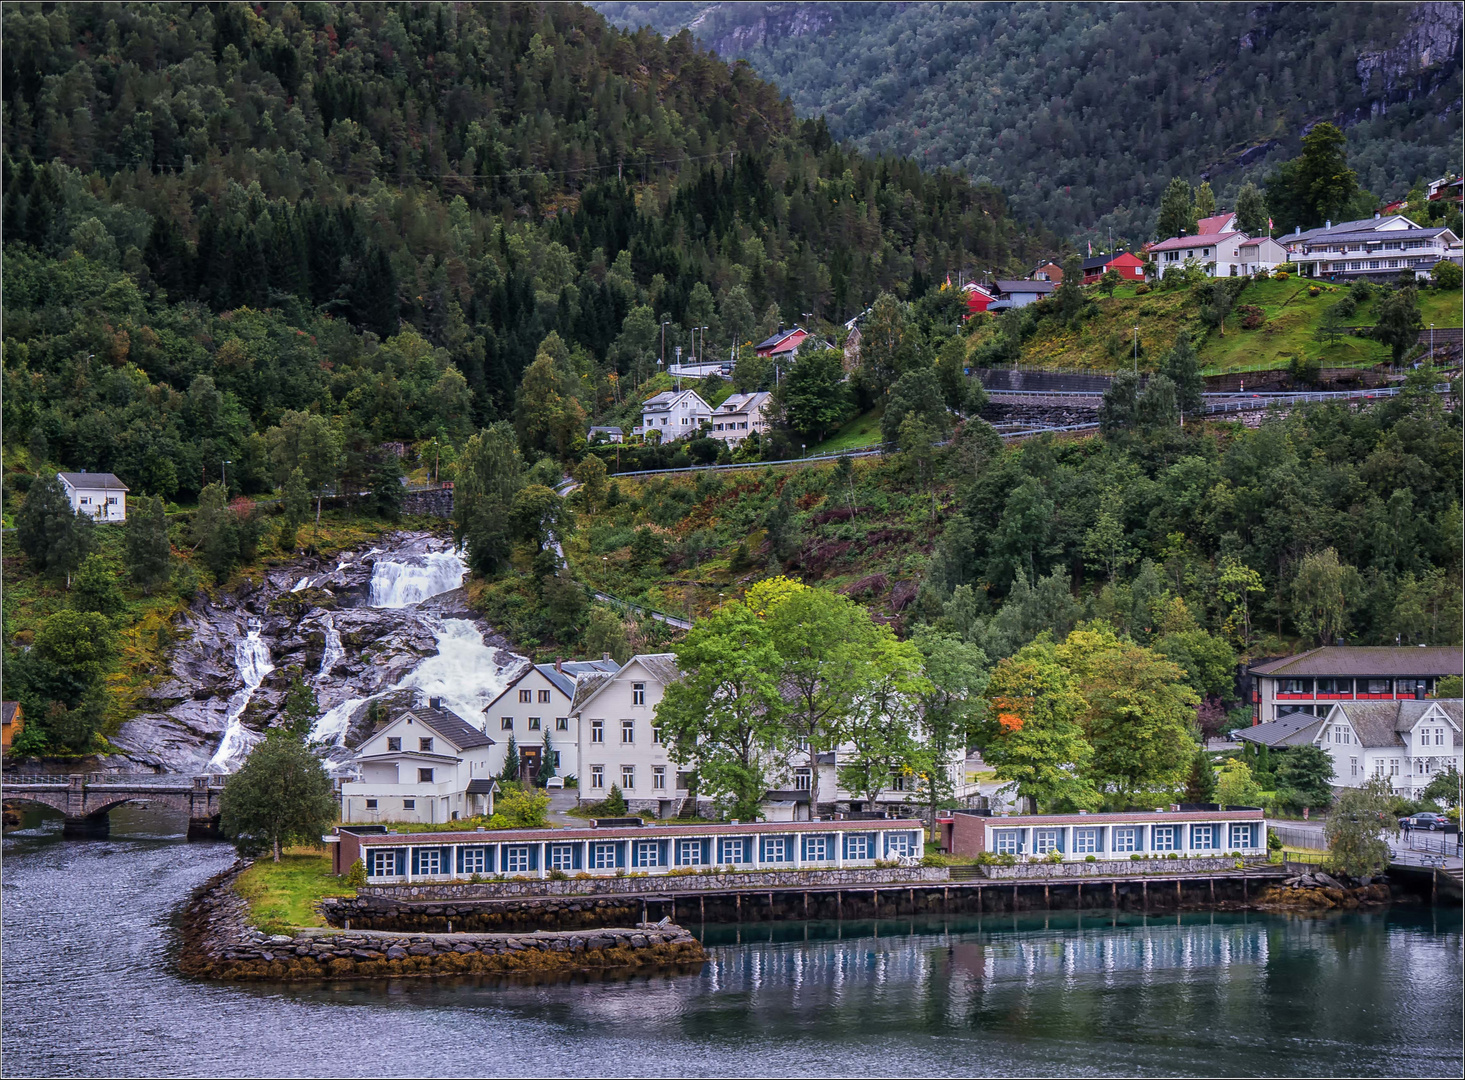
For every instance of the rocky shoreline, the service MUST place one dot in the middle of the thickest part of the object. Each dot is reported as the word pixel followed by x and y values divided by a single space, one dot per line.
pixel 1318 891
pixel 219 943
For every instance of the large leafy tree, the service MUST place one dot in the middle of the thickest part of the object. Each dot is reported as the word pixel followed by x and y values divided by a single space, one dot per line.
pixel 812 393
pixel 61 681
pixel 947 711
pixel 1318 185
pixel 1177 215
pixel 1139 712
pixel 881 729
pixel 1306 773
pixel 489 476
pixel 1398 321
pixel 280 795
pixel 1356 826
pixel 725 713
pixel 1035 742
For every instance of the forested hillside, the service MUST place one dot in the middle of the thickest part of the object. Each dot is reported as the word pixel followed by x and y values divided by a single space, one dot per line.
pixel 1082 112
pixel 220 220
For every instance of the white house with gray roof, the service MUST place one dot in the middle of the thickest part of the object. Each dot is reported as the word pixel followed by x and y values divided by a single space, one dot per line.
pixel 1410 742
pixel 739 416
pixel 535 710
pixel 99 495
pixel 427 765
pixel 1378 247
pixel 674 414
pixel 620 743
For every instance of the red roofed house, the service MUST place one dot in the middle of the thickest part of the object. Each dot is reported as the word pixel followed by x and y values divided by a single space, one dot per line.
pixel 1128 266
pixel 1223 222
pixel 1218 254
pixel 783 343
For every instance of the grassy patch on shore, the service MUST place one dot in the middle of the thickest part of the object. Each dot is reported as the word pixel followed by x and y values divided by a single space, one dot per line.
pixel 282 895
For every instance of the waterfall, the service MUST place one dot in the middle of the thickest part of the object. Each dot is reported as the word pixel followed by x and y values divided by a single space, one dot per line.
pixel 333 653
pixel 397 583
pixel 464 674
pixel 252 658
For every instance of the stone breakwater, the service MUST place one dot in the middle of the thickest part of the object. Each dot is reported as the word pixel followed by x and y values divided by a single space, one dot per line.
pixel 219 943
pixel 1319 891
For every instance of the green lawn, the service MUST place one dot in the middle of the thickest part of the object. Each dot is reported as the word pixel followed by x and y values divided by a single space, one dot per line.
pixel 282 896
pixel 861 432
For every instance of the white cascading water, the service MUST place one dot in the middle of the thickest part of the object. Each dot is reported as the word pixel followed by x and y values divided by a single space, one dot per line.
pixel 397 584
pixel 464 674
pixel 252 657
pixel 333 653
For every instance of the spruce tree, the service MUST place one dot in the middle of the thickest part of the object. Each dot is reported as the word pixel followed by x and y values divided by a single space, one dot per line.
pixel 148 551
pixel 1200 786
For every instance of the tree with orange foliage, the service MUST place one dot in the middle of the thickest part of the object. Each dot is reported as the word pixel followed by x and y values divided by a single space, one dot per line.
pixel 1036 745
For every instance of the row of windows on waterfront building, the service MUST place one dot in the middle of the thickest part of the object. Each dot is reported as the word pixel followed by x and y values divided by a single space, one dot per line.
pixel 643 854
pixel 1126 839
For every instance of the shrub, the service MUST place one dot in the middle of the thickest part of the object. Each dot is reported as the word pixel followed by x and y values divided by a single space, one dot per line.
pixel 1054 856
pixel 1274 842
pixel 558 875
pixel 1261 275
pixel 1136 857
pixel 1173 855
pixel 1143 290
pixel 356 876
pixel 1313 290
pixel 1446 275
pixel 1252 316
pixel 1091 858
pixel 1281 275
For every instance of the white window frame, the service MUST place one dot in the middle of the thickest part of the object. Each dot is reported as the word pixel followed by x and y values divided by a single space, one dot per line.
pixel 516 859
pixel 803 779
pixel 1165 838
pixel 562 857
pixel 628 778
pixel 857 846
pixel 647 853
pixel 816 849
pixel 1007 841
pixel 775 849
pixel 1085 841
pixel 475 860
pixel 603 856
pixel 658 777
pixel 1235 833
pixel 628 733
pixel 597 731
pixel 1044 841
pixel 1125 838
pixel 430 861
pixel 689 852
pixel 898 843
pixel 597 777
pixel 732 850
pixel 1203 837
pixel 562 723
pixel 383 863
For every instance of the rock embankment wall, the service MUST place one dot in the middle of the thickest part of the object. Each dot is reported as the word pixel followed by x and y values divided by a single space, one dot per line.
pixel 218 943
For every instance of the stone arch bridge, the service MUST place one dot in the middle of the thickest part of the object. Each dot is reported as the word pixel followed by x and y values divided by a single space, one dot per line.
pixel 87 804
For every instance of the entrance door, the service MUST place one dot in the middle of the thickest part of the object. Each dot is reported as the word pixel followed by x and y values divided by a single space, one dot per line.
pixel 529 761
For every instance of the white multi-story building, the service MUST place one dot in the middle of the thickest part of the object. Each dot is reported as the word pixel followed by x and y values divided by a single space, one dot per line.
pixel 100 495
pixel 620 743
pixel 427 765
pixel 740 415
pixel 1379 247
pixel 674 414
pixel 535 710
pixel 1407 741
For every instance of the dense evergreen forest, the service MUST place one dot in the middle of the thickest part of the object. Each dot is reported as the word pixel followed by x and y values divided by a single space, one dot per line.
pixel 218 217
pixel 1082 112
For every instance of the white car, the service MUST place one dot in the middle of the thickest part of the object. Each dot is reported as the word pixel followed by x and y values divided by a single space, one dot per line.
pixel 555 783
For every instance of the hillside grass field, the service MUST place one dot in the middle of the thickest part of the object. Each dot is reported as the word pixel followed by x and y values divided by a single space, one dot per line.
pixel 1290 318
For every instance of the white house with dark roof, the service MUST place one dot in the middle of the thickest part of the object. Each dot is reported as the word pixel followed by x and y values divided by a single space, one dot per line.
pixel 674 414
pixel 1314 681
pixel 100 495
pixel 1218 254
pixel 427 765
pixel 535 709
pixel 739 416
pixel 614 714
pixel 1410 742
pixel 1379 247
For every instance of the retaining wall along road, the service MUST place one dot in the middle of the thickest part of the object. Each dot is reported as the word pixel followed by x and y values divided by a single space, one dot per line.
pixel 218 943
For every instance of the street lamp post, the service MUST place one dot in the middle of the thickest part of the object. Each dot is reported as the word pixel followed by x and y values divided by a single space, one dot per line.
pixel 1431 343
pixel 224 475
pixel 1136 348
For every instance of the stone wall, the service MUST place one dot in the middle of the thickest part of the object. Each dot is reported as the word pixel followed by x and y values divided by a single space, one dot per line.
pixel 661 883
pixel 1107 868
pixel 218 943
pixel 434 502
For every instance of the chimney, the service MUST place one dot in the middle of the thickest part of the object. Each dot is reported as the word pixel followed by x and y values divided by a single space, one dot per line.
pixel 1376 215
pixel 434 703
pixel 604 657
pixel 1297 231
pixel 559 664
pixel 1329 224
pixel 1418 692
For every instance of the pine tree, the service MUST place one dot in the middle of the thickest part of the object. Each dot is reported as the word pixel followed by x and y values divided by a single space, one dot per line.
pixel 1200 786
pixel 148 550
pixel 510 771
pixel 1177 216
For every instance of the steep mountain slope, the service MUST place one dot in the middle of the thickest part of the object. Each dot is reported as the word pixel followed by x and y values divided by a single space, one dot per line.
pixel 1082 112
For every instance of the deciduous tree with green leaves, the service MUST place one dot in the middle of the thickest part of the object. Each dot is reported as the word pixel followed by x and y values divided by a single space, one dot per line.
pixel 1235 786
pixel 1357 823
pixel 489 475
pixel 280 795
pixel 947 712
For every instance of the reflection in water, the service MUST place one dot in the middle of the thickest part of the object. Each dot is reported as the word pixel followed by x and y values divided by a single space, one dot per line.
pixel 87 990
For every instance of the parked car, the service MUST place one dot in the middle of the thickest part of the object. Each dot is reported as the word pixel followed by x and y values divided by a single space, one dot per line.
pixel 1428 820
pixel 555 783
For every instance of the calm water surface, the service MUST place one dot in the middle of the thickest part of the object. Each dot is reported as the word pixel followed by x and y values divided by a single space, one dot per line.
pixel 88 933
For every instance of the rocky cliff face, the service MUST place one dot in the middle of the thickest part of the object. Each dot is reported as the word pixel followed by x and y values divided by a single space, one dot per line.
pixel 1427 52
pixel 732 30
pixel 318 622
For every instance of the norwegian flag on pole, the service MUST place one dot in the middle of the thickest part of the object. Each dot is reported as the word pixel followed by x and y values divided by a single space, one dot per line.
pixel 1091 249
pixel 1270 226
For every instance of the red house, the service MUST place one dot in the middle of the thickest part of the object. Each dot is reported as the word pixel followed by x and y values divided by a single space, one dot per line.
pixel 1129 267
pixel 977 299
pixel 783 343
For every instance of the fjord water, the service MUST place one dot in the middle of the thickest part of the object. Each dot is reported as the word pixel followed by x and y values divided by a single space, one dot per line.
pixel 88 935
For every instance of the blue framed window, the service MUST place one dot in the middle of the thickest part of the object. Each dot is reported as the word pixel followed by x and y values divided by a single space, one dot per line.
pixel 1007 841
pixel 1166 837
pixel 1243 836
pixel 1203 837
pixel 857 846
pixel 1126 838
pixel 474 860
pixel 382 863
pixel 1085 841
pixel 816 849
pixel 517 859
pixel 898 843
pixel 775 849
pixel 428 861
pixel 646 853
pixel 603 856
pixel 732 851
